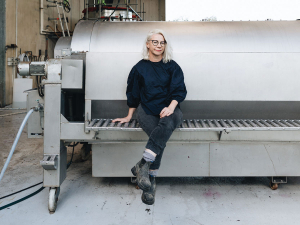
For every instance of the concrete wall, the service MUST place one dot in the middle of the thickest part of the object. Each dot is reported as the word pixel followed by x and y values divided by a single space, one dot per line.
pixel 27 35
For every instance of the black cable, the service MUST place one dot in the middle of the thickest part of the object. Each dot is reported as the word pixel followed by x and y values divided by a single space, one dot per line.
pixel 34 193
pixel 69 164
pixel 39 86
pixel 73 145
pixel 22 199
pixel 42 88
pixel 20 190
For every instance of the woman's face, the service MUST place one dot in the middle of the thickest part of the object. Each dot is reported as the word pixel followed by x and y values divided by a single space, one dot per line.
pixel 157 50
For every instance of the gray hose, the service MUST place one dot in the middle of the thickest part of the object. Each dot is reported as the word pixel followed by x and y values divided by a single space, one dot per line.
pixel 15 143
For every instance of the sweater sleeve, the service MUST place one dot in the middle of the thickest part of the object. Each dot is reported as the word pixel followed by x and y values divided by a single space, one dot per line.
pixel 177 87
pixel 133 89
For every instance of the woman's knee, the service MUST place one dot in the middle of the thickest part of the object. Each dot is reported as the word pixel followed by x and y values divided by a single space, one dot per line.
pixel 168 123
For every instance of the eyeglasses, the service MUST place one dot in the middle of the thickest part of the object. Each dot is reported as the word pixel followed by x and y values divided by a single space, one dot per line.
pixel 155 42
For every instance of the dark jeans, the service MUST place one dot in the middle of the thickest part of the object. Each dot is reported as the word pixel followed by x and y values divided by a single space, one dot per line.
pixel 158 130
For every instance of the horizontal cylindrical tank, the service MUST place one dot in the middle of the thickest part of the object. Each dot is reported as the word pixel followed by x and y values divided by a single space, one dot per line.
pixel 243 36
pixel 227 65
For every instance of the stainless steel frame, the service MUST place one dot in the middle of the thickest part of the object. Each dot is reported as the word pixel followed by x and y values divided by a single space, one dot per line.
pixel 226 64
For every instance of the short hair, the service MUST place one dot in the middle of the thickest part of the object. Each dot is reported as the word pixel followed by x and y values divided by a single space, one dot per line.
pixel 168 52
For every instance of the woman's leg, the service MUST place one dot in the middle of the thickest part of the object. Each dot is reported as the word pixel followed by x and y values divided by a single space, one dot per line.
pixel 161 134
pixel 154 124
pixel 154 128
pixel 141 169
pixel 148 123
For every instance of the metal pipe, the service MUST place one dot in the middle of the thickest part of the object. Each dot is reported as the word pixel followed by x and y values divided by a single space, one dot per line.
pixel 16 52
pixel 65 19
pixel 84 8
pixel 42 31
pixel 135 13
pixel 61 24
pixel 100 6
pixel 196 124
pixel 223 123
pixel 292 122
pixel 203 123
pixel 258 123
pixel 251 123
pixel 189 123
pixel 49 18
pixel 210 123
pixel 87 10
pixel 2 53
pixel 15 143
pixel 16 28
pixel 105 123
pixel 237 123
pixel 127 6
pixel 143 11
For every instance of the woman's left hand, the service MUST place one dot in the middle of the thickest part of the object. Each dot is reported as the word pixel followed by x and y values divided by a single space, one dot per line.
pixel 167 111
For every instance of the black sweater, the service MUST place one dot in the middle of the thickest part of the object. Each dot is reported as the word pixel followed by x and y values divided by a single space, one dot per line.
pixel 155 85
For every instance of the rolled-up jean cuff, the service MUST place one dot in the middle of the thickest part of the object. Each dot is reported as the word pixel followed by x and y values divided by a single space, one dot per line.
pixel 153 147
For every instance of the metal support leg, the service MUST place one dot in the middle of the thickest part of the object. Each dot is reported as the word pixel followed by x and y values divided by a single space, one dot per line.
pixel 53 176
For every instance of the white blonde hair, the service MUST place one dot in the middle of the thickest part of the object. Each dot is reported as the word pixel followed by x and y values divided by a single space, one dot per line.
pixel 167 55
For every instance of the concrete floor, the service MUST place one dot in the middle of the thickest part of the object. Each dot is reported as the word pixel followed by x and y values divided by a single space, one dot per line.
pixel 88 200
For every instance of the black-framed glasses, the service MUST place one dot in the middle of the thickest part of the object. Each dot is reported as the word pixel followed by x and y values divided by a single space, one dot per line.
pixel 155 42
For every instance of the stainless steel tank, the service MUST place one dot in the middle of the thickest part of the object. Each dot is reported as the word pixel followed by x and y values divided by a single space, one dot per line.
pixel 232 69
pixel 62 47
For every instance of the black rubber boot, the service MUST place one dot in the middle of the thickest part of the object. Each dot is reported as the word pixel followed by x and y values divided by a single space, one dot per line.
pixel 141 171
pixel 148 197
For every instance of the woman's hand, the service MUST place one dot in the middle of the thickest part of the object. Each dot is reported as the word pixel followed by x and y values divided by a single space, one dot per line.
pixel 167 111
pixel 122 120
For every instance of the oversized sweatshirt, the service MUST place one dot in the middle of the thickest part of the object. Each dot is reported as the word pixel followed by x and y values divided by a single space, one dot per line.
pixel 154 85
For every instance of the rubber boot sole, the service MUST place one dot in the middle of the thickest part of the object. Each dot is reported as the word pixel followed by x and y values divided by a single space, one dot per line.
pixel 147 202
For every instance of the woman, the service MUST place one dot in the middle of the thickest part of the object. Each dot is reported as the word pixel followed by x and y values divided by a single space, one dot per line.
pixel 156 87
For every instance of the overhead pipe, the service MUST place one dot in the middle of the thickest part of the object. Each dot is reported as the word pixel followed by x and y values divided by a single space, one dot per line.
pixel 42 31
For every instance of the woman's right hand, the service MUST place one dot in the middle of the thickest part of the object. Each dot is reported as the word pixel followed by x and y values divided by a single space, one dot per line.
pixel 122 120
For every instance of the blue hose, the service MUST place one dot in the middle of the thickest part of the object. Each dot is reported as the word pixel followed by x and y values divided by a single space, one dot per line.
pixel 15 143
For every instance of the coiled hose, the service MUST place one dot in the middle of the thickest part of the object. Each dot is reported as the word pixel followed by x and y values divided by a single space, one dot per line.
pixel 15 143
